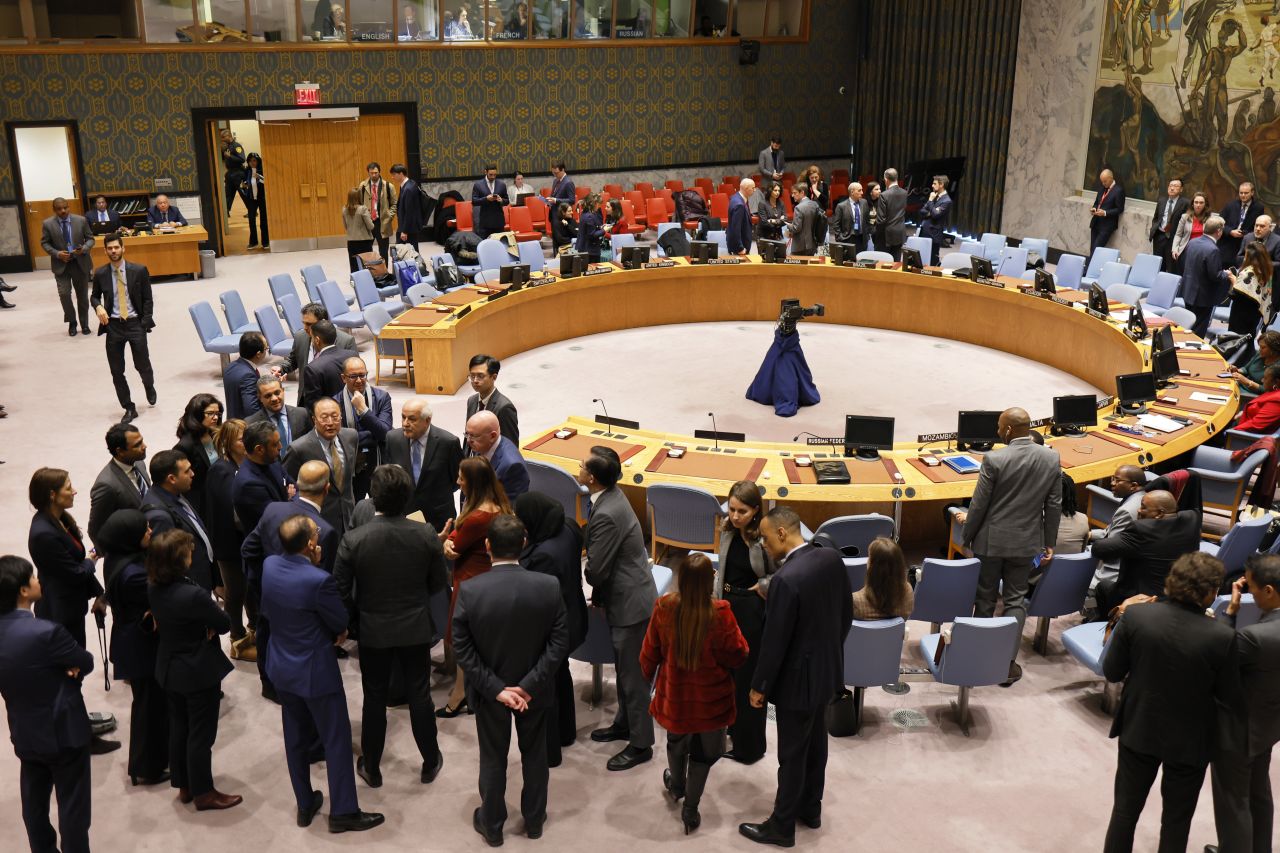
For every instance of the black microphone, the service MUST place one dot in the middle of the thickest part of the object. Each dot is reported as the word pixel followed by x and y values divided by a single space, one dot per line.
pixel 714 429
pixel 607 425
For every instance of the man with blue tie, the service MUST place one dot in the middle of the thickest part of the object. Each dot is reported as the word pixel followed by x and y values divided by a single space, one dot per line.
pixel 850 223
pixel 738 233
pixel 291 421
pixel 103 215
pixel 488 197
pixel 67 239
pixel 431 456
pixel 167 507
pixel 164 213
pixel 367 410
pixel 308 620
pixel 41 668
pixel 562 188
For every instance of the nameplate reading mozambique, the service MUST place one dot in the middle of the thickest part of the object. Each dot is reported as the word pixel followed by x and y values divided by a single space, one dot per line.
pixel 931 438
pixel 1097 314
pixel 721 261
pixel 657 265
pixel 991 282
pixel 598 271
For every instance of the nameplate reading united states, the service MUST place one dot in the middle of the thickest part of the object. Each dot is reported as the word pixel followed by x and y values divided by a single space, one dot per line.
pixel 720 261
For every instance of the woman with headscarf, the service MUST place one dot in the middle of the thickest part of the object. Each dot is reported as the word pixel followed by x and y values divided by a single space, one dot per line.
pixel 125 537
pixel 554 547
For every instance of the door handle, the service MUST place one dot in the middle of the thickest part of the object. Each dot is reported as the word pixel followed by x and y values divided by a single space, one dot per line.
pixel 322 190
pixel 304 190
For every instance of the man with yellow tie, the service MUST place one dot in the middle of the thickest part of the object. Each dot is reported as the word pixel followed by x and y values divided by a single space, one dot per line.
pixel 122 299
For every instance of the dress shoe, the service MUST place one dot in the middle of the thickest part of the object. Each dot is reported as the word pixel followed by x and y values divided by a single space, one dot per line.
pixel 630 757
pixel 609 734
pixel 151 396
pixel 84 330
pixel 766 833
pixel 813 820
pixel 493 839
pixel 5 303
pixel 354 822
pixel 269 694
pixel 733 755
pixel 98 746
pixel 215 800
pixel 184 795
pixel 6 287
pixel 672 791
pixel 533 830
pixel 447 713
pixel 305 816
pixel 429 774
pixel 130 415
pixel 372 776
pixel 244 649
pixel 1015 674
pixel 100 722
pixel 71 329
pixel 149 780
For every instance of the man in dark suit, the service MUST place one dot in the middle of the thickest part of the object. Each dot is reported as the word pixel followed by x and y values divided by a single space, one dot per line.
pixel 338 447
pixel 772 161
pixel 103 215
pixel 800 668
pixel 395 566
pixel 308 620
pixel 804 211
pixel 322 377
pixel 1164 222
pixel 892 214
pixel 1204 281
pixel 431 456
pixel 66 238
pixel 484 440
pixel 1240 216
pixel 1012 519
pixel 1179 666
pixel 510 635
pixel 1242 804
pixel 261 479
pixel 1108 204
pixel 302 351
pixel 850 222
pixel 622 583
pixel 240 379
pixel 367 410
pixel 488 197
pixel 292 422
pixel 41 670
pixel 164 213
pixel 738 232
pixel 483 374
pixel 123 482
pixel 1263 232
pixel 1146 549
pixel 408 207
pixel 166 508
pixel 935 215
pixel 562 188
pixel 122 299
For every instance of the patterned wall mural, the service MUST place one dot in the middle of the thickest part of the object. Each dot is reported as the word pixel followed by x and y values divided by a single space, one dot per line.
pixel 1188 88
pixel 601 108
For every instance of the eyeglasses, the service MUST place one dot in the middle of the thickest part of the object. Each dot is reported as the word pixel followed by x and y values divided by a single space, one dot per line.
pixel 213 413
pixel 477 377
pixel 355 376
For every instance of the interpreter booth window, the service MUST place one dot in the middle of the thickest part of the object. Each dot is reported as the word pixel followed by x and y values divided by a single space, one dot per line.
pixel 371 20
pixel 169 20
pixel 749 17
pixel 275 20
pixel 326 20
pixel 220 21
pixel 11 23
pixel 671 18
pixel 514 21
pixel 70 20
pixel 786 18
pixel 634 19
pixel 550 19
pixel 592 19
pixel 464 21
pixel 710 18
pixel 418 21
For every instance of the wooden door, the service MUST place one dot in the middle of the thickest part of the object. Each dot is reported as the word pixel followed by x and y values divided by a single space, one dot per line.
pixel 50 169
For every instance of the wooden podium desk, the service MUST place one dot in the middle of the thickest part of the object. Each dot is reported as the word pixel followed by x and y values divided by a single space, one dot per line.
pixel 162 254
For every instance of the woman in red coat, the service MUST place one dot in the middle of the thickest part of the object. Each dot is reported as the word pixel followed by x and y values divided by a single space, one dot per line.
pixel 692 643
pixel 1262 413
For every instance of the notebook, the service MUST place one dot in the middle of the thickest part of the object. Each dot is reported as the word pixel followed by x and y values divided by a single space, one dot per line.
pixel 962 464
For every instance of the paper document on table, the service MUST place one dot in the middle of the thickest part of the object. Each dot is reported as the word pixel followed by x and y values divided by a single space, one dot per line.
pixel 1201 397
pixel 1159 423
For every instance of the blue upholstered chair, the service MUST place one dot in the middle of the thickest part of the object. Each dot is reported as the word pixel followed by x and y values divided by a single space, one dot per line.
pixel 993 245
pixel 618 241
pixel 878 257
pixel 1085 644
pixel 1126 293
pixel 923 245
pixel 1143 272
pixel 210 333
pixel 683 517
pixel 531 254
pixel 852 534
pixel 664 227
pixel 1248 614
pixel 956 260
pixel 1239 544
pixel 291 308
pixel 1060 590
pixel 872 656
pixel 491 254
pixel 971 247
pixel 1069 271
pixel 1037 245
pixel 1013 262
pixel 1113 272
pixel 367 294
pixel 332 299
pixel 1164 289
pixel 1222 482
pixel 282 285
pixel 1100 258
pixel 977 656
pixel 945 591
pixel 557 483
pixel 421 293
pixel 396 349
pixel 233 310
pixel 279 341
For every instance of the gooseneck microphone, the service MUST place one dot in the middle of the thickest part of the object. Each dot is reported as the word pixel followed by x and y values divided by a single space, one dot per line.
pixel 714 429
pixel 608 426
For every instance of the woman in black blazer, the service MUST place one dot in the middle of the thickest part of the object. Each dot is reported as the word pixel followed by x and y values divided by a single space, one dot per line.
pixel 563 229
pixel 591 228
pixel 56 545
pixel 554 547
pixel 125 536
pixel 196 431
pixel 190 667
pixel 226 536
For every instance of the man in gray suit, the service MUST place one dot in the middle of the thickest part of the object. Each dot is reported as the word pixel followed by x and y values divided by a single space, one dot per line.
pixel 124 482
pixel 850 222
pixel 1127 486
pixel 1012 519
pixel 772 162
pixel 892 213
pixel 292 422
pixel 805 211
pixel 67 239
pixel 337 446
pixel 622 583
pixel 1242 804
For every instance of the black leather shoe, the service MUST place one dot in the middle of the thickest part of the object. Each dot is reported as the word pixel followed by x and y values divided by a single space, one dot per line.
pixel 766 833
pixel 733 755
pixel 1015 675
pixel 71 329
pixel 447 713
pixel 151 396
pixel 354 822
pixel 305 816
pixel 493 839
pixel 533 830
pixel 429 774
pixel 609 734
pixel 371 777
pixel 130 415
pixel 813 820
pixel 630 757
pixel 5 303
pixel 84 330
pixel 151 780
pixel 6 287
pixel 98 746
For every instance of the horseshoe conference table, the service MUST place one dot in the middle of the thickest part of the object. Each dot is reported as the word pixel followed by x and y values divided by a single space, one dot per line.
pixel 444 335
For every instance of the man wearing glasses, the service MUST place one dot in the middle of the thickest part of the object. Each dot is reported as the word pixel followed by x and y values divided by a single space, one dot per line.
pixel 483 375
pixel 1127 486
pixel 367 410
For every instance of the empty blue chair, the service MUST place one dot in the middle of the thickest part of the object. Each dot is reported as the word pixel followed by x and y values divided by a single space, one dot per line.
pixel 662 577
pixel 1180 317
pixel 492 254
pixel 878 257
pixel 1013 262
pixel 683 517
pixel 211 337
pixel 1070 272
pixel 1164 290
pixel 597 650
pixel 1144 271
pixel 1037 246
pixel 331 298
pixel 1060 590
pixel 618 241
pixel 292 310
pixel 1101 257
pixel 977 656
pixel 1248 614
pixel 367 294
pixel 396 349
pixel 1126 293
pixel 721 239
pixel 872 656
pixel 852 534
pixel 558 484
pixel 971 247
pixel 923 245
pixel 956 260
pixel 1222 482
pixel 531 254
pixel 945 591
pixel 282 285
pixel 278 341
pixel 1113 272
pixel 421 293
pixel 312 275
pixel 233 310
pixel 486 276
pixel 993 245
pixel 1239 544
pixel 1085 644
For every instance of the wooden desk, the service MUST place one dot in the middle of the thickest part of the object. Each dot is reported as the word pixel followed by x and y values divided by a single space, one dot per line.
pixel 162 254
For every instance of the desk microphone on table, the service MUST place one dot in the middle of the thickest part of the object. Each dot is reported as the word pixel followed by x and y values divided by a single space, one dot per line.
pixel 607 425
pixel 714 429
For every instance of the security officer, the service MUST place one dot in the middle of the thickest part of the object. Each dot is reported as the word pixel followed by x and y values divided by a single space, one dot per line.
pixel 233 159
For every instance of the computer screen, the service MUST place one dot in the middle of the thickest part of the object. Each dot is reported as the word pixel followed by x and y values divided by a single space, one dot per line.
pixel 1164 365
pixel 978 427
pixel 573 264
pixel 1075 410
pixel 775 251
pixel 514 274
pixel 1137 322
pixel 864 433
pixel 1045 282
pixel 842 253
pixel 1098 299
pixel 1162 339
pixel 980 268
pixel 633 257
pixel 701 251
pixel 911 260
pixel 1135 388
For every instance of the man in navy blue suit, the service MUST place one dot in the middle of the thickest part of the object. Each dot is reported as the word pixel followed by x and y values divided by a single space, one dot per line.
pixel 164 213
pixel 408 207
pixel 261 479
pixel 485 439
pixel 41 668
pixel 801 666
pixel 562 188
pixel 167 507
pixel 309 619
pixel 240 381
pixel 367 410
pixel 102 214
pixel 935 215
pixel 488 197
pixel 1108 204
pixel 738 232
pixel 1204 282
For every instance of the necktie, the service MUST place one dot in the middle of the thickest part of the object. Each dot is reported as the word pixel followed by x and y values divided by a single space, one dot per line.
pixel 374 198
pixel 197 524
pixel 102 216
pixel 122 295
pixel 1244 214
pixel 283 423
pixel 140 483
pixel 66 232
pixel 335 462
pixel 416 460
pixel 857 218
pixel 1168 208
pixel 489 185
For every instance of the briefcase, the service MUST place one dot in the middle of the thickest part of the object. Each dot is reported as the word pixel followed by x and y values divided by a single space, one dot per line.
pixel 374 263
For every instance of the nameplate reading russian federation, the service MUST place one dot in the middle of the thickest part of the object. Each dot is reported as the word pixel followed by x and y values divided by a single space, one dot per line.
pixel 657 265
pixel 721 261
pixel 598 271
pixel 991 282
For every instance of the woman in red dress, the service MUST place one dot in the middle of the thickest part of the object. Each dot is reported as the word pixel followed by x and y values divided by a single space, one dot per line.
pixel 483 498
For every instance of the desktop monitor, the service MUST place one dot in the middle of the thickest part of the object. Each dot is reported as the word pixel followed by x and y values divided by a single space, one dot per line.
pixel 1098 299
pixel 866 435
pixel 977 430
pixel 1162 339
pixel 573 264
pixel 775 252
pixel 701 251
pixel 1137 322
pixel 979 268
pixel 842 253
pixel 1074 411
pixel 1164 364
pixel 515 275
pixel 1135 389
pixel 1045 283
pixel 911 260
pixel 633 257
